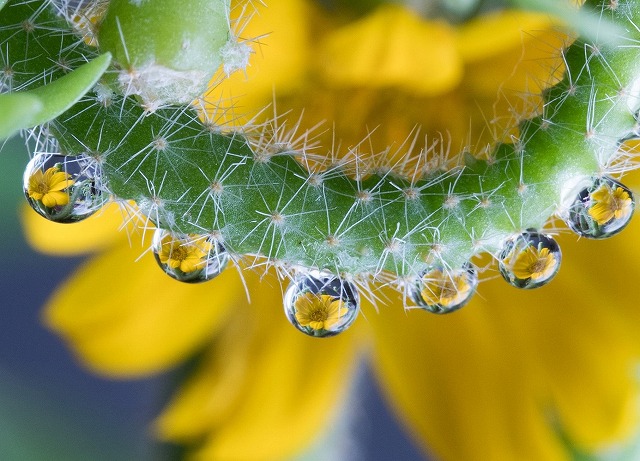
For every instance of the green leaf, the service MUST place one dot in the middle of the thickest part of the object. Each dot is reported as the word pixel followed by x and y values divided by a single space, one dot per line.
pixel 30 108
pixel 3 3
pixel 60 95
pixel 590 26
pixel 16 112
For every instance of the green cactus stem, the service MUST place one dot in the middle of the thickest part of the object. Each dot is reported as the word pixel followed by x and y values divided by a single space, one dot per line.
pixel 258 199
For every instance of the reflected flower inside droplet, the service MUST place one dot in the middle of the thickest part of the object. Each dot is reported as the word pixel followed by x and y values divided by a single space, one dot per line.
pixel 63 188
pixel 320 312
pixel 442 291
pixel 320 304
pixel 602 209
pixel 50 187
pixel 189 258
pixel 530 260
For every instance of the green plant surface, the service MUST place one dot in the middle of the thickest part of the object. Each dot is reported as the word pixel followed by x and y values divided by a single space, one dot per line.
pixel 31 108
pixel 258 199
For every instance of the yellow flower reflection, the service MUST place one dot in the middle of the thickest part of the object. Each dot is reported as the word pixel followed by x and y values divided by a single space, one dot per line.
pixel 188 256
pixel 320 312
pixel 442 288
pixel 610 204
pixel 532 262
pixel 490 382
pixel 48 187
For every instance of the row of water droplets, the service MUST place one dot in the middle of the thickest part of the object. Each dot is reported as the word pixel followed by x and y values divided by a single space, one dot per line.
pixel 68 189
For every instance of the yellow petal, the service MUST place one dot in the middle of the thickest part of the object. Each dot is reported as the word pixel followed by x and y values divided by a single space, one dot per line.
pixel 266 390
pixel 55 198
pixel 495 374
pixel 507 65
pixel 392 47
pixel 498 33
pixel 281 50
pixel 97 232
pixel 128 318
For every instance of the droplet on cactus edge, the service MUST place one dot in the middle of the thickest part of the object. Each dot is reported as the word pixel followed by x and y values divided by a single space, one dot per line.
pixel 601 210
pixel 320 304
pixel 441 291
pixel 530 260
pixel 189 258
pixel 64 189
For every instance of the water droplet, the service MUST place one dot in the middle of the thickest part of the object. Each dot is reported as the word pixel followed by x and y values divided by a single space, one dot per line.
pixel 63 188
pixel 320 304
pixel 442 291
pixel 602 209
pixel 530 260
pixel 189 258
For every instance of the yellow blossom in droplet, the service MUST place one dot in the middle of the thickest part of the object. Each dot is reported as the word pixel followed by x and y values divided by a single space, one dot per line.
pixel 48 187
pixel 531 263
pixel 188 256
pixel 445 289
pixel 320 312
pixel 610 204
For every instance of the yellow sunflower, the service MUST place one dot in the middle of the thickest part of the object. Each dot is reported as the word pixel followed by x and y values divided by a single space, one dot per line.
pixel 48 187
pixel 610 203
pixel 509 377
pixel 320 312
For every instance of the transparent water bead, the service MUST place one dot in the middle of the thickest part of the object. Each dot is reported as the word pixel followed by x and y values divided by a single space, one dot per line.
pixel 189 258
pixel 530 260
pixel 602 209
pixel 320 304
pixel 62 188
pixel 442 291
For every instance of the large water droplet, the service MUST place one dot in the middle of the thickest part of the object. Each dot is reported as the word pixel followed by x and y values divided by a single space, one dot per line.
pixel 63 188
pixel 189 258
pixel 320 304
pixel 602 209
pixel 530 260
pixel 442 291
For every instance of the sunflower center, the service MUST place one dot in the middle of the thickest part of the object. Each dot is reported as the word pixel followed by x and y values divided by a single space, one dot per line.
pixel 538 266
pixel 179 253
pixel 319 314
pixel 40 187
pixel 618 203
pixel 448 290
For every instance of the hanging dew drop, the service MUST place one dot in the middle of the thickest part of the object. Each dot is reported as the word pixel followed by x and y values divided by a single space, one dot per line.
pixel 601 210
pixel 64 189
pixel 320 304
pixel 530 260
pixel 189 258
pixel 442 291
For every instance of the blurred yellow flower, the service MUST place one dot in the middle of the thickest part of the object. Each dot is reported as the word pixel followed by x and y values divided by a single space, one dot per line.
pixel 494 381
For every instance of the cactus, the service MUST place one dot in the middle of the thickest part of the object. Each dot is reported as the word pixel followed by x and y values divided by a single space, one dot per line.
pixel 127 115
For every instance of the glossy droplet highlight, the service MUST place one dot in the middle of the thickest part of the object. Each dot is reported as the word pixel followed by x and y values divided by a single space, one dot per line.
pixel 320 304
pixel 530 260
pixel 64 189
pixel 601 210
pixel 442 291
pixel 189 258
